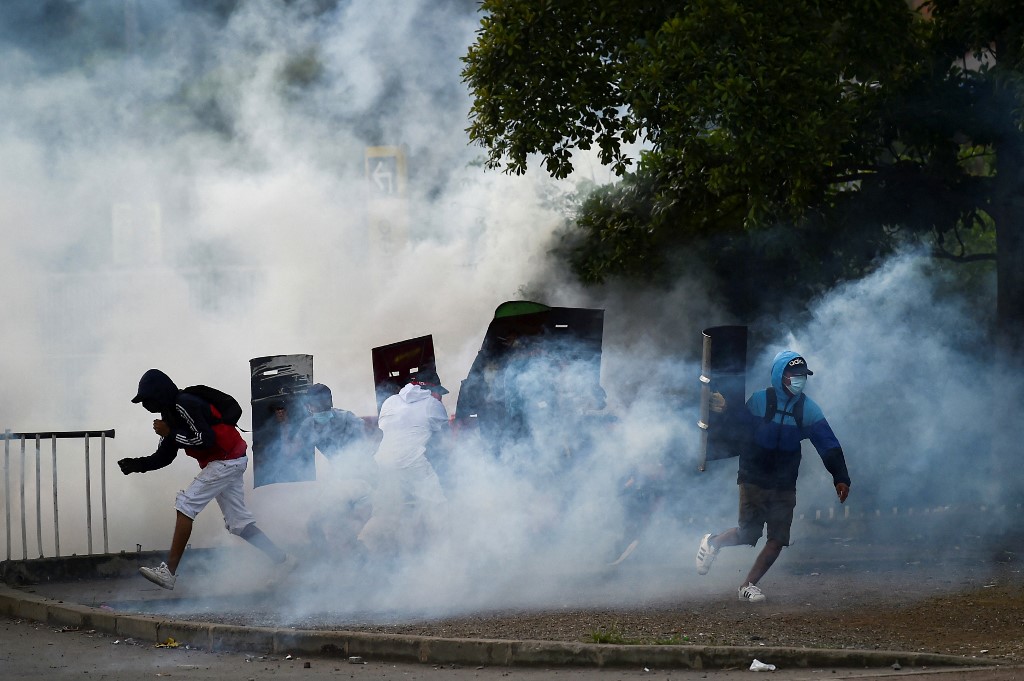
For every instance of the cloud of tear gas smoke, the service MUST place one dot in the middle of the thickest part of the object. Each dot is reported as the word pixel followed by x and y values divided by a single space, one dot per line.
pixel 203 198
pixel 538 521
pixel 189 186
pixel 911 386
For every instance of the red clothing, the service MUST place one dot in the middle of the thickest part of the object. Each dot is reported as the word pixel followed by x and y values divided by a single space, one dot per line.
pixel 228 444
pixel 191 430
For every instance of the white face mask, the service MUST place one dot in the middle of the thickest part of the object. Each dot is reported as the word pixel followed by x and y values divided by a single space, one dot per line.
pixel 796 384
pixel 323 416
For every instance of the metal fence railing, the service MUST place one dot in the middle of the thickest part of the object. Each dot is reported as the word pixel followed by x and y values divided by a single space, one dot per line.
pixel 23 440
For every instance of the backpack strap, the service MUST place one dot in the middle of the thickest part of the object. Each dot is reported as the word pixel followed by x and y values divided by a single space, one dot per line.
pixel 771 406
pixel 798 410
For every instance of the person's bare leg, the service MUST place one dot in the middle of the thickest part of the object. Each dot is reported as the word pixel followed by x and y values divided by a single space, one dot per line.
pixel 730 537
pixel 764 561
pixel 182 532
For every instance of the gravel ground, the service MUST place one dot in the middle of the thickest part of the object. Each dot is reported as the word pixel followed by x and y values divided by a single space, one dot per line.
pixel 968 603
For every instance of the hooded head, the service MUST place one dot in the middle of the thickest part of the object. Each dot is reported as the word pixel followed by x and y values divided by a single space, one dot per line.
pixel 786 364
pixel 319 398
pixel 414 392
pixel 157 392
pixel 429 379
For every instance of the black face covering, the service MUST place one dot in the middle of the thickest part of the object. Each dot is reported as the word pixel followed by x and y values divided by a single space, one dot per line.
pixel 151 406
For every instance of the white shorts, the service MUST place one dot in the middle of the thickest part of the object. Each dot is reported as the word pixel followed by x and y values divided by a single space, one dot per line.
pixel 220 480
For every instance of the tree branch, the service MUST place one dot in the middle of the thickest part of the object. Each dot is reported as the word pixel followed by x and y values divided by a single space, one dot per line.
pixel 973 257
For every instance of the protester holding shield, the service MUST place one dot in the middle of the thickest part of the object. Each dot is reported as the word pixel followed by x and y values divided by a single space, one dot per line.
pixel 777 419
pixel 410 506
pixel 345 489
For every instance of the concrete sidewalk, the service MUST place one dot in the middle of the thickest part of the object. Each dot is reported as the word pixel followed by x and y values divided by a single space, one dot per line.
pixel 86 593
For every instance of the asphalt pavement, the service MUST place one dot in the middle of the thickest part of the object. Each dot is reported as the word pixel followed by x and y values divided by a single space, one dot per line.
pixel 30 649
pixel 61 608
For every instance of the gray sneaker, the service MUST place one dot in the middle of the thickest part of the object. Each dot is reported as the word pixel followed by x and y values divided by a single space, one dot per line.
pixel 287 567
pixel 751 593
pixel 705 555
pixel 161 576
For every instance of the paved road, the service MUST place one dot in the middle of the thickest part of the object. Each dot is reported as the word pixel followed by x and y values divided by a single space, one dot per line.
pixel 31 650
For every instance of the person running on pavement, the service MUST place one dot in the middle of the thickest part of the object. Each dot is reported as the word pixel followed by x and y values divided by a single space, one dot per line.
pixel 778 418
pixel 410 506
pixel 189 422
pixel 344 504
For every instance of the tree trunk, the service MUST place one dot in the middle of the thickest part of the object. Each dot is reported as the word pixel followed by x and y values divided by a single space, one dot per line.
pixel 1007 211
pixel 1008 215
pixel 1008 202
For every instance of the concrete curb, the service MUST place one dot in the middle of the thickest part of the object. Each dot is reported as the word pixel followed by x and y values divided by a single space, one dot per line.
pixel 424 649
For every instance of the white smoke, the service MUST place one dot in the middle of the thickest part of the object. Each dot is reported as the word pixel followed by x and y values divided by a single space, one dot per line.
pixel 203 199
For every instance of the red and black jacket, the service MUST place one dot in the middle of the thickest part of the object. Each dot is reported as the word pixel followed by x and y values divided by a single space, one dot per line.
pixel 195 427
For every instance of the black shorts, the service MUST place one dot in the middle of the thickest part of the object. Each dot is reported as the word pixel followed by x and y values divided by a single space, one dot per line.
pixel 760 507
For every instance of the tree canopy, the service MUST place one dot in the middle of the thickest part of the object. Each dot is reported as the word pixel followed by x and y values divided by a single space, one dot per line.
pixel 774 131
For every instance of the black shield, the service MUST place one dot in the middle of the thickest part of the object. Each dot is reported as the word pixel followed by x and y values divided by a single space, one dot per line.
pixel 278 384
pixel 723 370
pixel 571 336
pixel 396 364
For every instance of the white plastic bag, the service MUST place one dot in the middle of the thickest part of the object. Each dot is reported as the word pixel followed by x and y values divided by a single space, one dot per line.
pixel 758 666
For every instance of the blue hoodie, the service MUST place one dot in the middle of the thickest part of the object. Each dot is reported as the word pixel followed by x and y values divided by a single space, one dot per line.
pixel 772 460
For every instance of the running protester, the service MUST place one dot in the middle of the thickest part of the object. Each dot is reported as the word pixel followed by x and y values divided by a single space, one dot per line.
pixel 190 422
pixel 778 419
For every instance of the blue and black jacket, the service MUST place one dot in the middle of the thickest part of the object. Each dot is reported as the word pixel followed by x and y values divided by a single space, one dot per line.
pixel 772 458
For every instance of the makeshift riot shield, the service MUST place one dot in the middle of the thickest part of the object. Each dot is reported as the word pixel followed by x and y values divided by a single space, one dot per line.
pixel 278 386
pixel 528 333
pixel 723 370
pixel 396 364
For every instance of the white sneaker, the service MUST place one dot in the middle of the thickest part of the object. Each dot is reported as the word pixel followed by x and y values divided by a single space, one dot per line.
pixel 705 555
pixel 280 571
pixel 625 553
pixel 160 576
pixel 751 593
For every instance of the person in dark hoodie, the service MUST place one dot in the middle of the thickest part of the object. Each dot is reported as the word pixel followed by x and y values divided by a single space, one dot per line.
pixel 191 423
pixel 778 419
